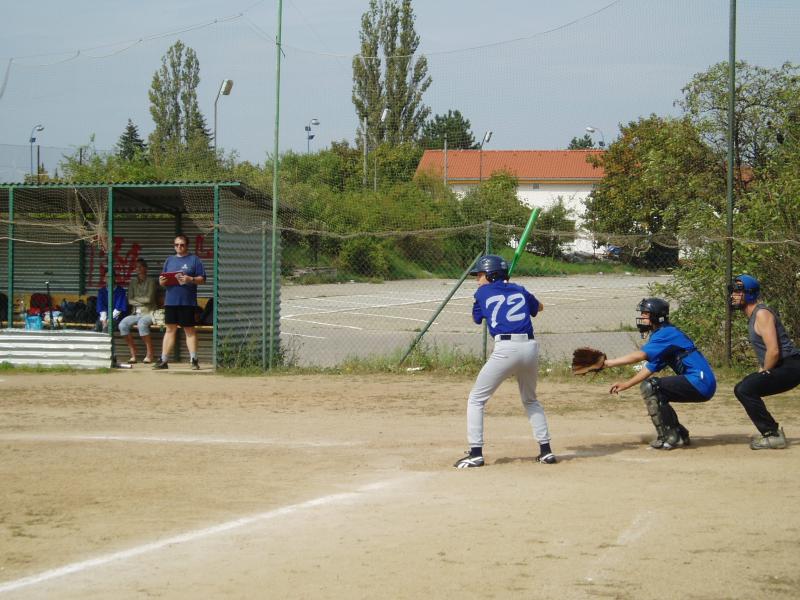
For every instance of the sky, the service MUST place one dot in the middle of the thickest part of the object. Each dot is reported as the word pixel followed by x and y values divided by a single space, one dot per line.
pixel 535 73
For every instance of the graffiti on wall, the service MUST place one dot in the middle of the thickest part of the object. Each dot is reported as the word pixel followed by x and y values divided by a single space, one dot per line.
pixel 125 260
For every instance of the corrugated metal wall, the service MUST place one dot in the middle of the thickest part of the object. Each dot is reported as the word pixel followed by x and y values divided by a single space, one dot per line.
pixel 244 288
pixel 148 238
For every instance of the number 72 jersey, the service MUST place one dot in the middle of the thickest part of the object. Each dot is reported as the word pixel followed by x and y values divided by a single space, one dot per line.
pixel 507 307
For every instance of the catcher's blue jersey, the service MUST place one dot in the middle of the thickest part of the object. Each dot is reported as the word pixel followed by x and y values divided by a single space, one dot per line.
pixel 507 307
pixel 669 346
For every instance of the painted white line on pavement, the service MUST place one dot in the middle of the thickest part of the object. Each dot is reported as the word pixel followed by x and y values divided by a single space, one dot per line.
pixel 315 337
pixel 319 323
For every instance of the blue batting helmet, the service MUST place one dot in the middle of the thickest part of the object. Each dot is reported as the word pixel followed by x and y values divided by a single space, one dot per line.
pixel 494 266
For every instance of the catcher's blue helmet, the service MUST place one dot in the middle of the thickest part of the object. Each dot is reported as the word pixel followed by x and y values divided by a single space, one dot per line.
pixel 747 284
pixel 494 266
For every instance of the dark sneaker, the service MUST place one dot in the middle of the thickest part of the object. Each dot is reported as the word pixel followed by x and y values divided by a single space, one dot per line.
pixel 547 459
pixel 469 462
pixel 160 364
pixel 671 440
pixel 684 433
pixel 773 441
pixel 195 364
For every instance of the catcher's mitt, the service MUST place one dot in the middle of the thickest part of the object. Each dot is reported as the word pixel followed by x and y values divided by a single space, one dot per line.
pixel 587 360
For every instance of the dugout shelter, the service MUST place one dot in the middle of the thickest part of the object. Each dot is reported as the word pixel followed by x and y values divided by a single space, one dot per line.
pixel 68 237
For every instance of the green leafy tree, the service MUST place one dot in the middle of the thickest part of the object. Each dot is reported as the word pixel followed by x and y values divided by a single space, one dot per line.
pixel 656 173
pixel 559 221
pixel 583 143
pixel 396 83
pixel 179 123
pixel 762 96
pixel 130 144
pixel 452 126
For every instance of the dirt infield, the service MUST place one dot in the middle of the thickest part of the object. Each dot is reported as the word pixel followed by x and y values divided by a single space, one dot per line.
pixel 174 485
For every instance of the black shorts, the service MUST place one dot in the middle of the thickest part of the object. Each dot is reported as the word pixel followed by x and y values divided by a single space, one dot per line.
pixel 179 315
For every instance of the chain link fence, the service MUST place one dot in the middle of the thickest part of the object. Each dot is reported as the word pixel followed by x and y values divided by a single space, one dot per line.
pixel 394 170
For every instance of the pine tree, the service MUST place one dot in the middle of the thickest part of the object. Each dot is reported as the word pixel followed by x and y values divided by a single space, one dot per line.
pixel 581 143
pixel 130 144
pixel 454 126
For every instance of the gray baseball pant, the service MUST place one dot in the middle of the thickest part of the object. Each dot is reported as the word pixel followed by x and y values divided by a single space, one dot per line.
pixel 520 358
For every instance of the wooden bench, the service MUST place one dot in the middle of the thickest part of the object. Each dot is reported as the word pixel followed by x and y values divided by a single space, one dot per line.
pixel 57 298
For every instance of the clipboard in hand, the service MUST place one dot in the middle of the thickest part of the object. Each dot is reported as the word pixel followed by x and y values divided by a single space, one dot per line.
pixel 171 278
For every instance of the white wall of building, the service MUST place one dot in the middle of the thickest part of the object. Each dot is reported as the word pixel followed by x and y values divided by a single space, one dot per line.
pixel 544 195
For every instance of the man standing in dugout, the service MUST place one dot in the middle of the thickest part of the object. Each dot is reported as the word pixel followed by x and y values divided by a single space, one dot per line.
pixel 181 275
pixel 777 356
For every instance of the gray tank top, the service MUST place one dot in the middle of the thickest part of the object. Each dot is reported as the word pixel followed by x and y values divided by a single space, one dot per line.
pixel 785 343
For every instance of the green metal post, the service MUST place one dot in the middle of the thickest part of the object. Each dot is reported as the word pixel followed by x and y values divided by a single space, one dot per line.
pixel 176 352
pixel 215 329
pixel 110 271
pixel 488 249
pixel 81 267
pixel 731 133
pixel 264 326
pixel 441 306
pixel 275 150
pixel 11 258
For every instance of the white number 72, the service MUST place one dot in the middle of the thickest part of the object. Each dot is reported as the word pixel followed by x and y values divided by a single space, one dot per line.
pixel 515 301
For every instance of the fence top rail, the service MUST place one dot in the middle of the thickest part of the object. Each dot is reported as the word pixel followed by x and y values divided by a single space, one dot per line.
pixel 120 184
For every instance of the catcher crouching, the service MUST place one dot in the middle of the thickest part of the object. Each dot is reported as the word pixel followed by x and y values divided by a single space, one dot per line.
pixel 666 345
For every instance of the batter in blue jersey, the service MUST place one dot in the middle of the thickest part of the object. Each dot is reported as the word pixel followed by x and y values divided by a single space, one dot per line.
pixel 507 309
pixel 666 346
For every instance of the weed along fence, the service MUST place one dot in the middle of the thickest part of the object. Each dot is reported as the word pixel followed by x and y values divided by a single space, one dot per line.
pixel 61 242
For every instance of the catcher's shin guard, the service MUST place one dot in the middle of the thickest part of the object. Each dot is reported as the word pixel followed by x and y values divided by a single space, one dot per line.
pixel 666 433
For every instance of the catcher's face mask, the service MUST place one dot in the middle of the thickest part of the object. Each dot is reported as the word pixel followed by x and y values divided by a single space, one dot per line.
pixel 736 295
pixel 643 323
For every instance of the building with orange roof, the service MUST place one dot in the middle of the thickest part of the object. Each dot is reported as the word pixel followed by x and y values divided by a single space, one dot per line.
pixel 543 175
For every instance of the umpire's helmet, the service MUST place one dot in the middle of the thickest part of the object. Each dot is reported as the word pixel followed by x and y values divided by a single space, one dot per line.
pixel 494 266
pixel 747 284
pixel 659 314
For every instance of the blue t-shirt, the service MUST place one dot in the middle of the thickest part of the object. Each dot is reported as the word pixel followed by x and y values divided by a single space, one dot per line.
pixel 507 307
pixel 183 295
pixel 668 346
pixel 120 299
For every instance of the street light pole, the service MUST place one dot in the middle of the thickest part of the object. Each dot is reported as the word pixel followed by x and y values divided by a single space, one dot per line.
pixel 384 114
pixel 36 128
pixel 486 137
pixel 309 135
pixel 591 129
pixel 225 90
pixel 364 132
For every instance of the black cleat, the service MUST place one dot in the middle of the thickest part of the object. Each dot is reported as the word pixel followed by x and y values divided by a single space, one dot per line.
pixel 469 462
pixel 160 364
pixel 195 364
pixel 547 459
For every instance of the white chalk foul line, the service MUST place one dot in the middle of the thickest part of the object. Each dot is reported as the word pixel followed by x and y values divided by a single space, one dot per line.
pixel 641 523
pixel 197 534
pixel 175 439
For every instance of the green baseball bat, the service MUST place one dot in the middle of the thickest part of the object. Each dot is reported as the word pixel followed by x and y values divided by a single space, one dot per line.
pixel 524 239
